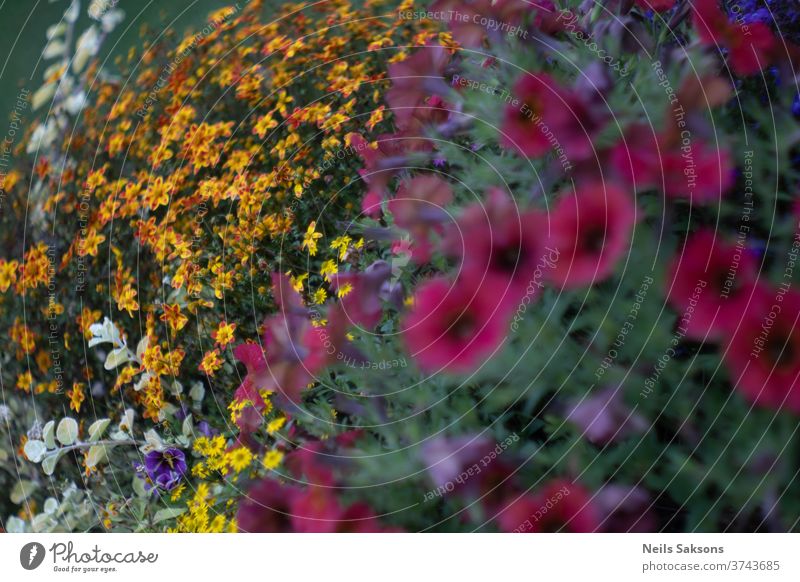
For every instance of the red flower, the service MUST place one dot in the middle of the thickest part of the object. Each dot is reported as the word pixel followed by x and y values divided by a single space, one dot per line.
pixel 560 506
pixel 500 246
pixel 709 283
pixel 591 230
pixel 267 508
pixel 750 46
pixel 453 326
pixel 763 349
pixel 414 80
pixel 656 5
pixel 680 167
pixel 549 116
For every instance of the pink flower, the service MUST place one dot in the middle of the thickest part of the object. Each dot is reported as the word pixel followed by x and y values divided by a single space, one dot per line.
pixel 469 19
pixel 591 230
pixel 501 247
pixel 418 208
pixel 750 46
pixel 762 350
pixel 296 350
pixel 549 116
pixel 453 326
pixel 363 304
pixel 560 506
pixel 713 279
pixel 680 167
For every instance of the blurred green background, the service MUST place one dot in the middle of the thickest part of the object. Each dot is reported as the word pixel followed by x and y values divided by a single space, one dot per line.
pixel 23 26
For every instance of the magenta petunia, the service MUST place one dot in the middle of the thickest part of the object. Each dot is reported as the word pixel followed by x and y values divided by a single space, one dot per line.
pixel 762 348
pixel 561 505
pixel 591 230
pixel 547 116
pixel 453 327
pixel 709 283
pixel 502 247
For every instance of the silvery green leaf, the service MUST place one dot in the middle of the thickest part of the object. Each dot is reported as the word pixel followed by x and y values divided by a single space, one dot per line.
pixel 197 392
pixel 48 434
pixel 55 48
pixel 152 441
pixel 143 380
pixel 42 523
pixel 126 422
pixel 50 461
pixel 188 426
pixel 116 357
pixel 42 95
pixel 98 428
pixel 22 490
pixel 111 19
pixel 67 431
pixel 50 505
pixel 141 347
pixel 168 513
pixel 97 454
pixel 138 487
pixel 56 30
pixel 87 46
pixel 72 13
pixel 15 525
pixel 35 450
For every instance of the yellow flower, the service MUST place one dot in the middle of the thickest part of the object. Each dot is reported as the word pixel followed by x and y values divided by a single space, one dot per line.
pixel 76 396
pixel 8 274
pixel 310 239
pixel 211 363
pixel 340 244
pixel 127 300
pixel 275 425
pixel 320 296
pixel 344 290
pixel 328 269
pixel 239 459
pixel 224 334
pixel 272 459
pixel 173 316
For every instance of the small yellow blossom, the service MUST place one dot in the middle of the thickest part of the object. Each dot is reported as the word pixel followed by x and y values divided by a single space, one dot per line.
pixel 272 459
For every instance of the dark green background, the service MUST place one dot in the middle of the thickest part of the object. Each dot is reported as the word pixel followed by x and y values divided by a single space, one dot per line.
pixel 23 24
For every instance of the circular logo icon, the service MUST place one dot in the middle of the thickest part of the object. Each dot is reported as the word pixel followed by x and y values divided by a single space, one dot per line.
pixel 31 555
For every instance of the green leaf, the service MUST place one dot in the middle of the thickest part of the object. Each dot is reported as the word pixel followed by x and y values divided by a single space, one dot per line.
pixel 97 454
pixel 67 431
pixel 35 450
pixel 97 429
pixel 22 490
pixel 117 357
pixel 49 462
pixel 48 434
pixel 168 513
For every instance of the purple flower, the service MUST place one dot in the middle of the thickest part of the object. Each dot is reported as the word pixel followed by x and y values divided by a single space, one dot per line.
pixel 165 468
pixel 603 417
